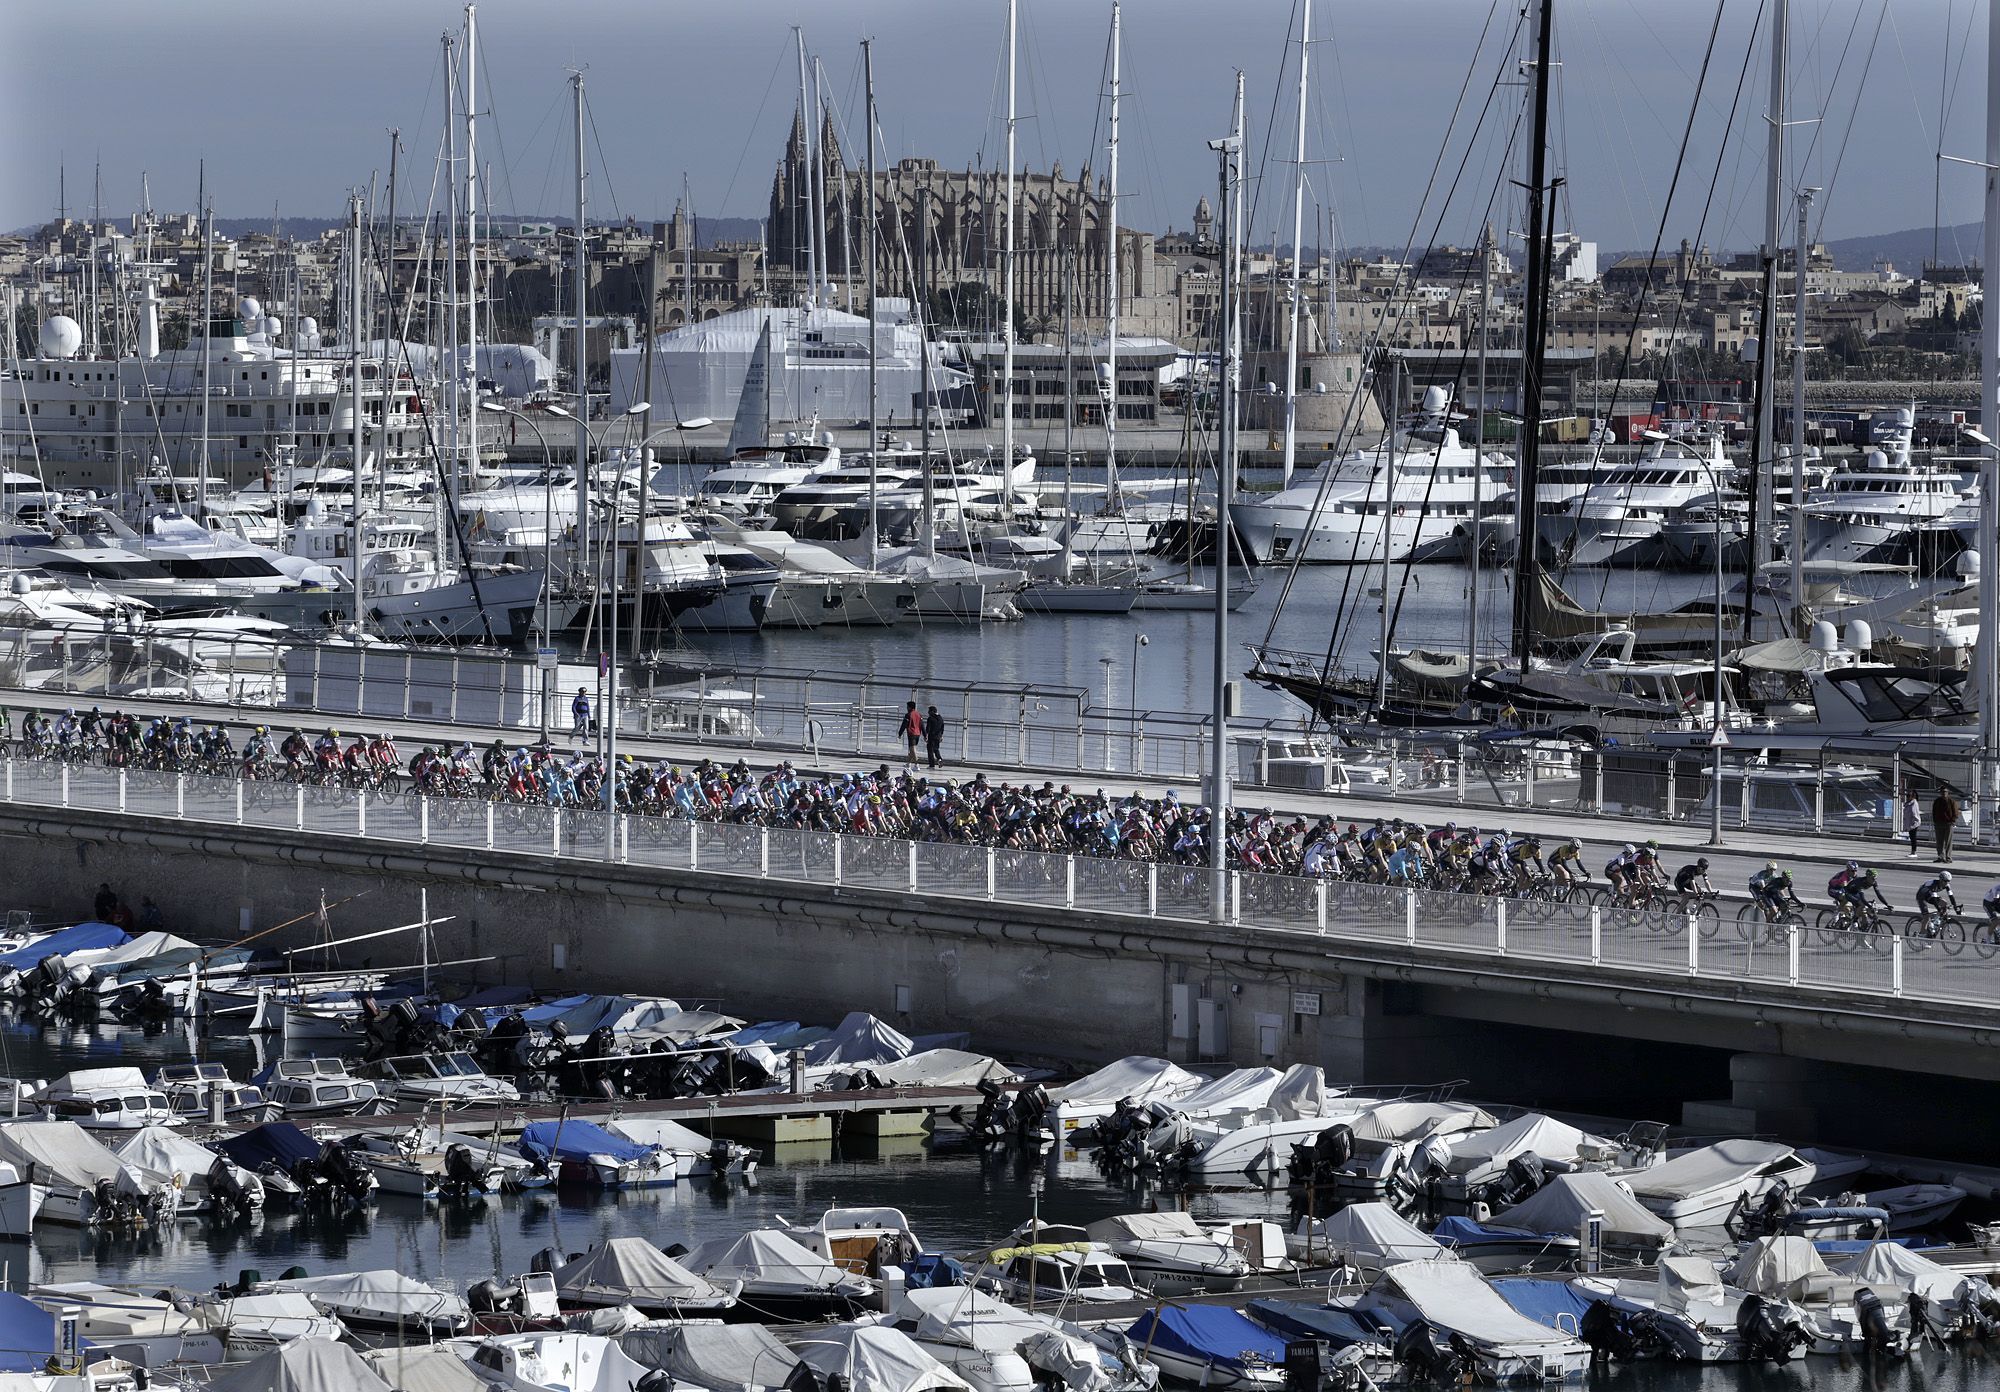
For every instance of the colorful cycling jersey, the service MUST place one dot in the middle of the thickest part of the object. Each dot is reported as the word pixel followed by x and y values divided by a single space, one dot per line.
pixel 1930 891
pixel 1564 854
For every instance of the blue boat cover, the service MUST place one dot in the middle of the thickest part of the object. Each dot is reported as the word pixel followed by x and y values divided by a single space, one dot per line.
pixel 278 1141
pixel 79 938
pixel 768 1032
pixel 1207 1333
pixel 1847 1247
pixel 579 1015
pixel 1295 1319
pixel 932 1271
pixel 577 1140
pixel 1557 1304
pixel 28 1334
pixel 1464 1232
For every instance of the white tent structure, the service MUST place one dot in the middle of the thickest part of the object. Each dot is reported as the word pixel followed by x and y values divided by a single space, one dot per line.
pixel 819 366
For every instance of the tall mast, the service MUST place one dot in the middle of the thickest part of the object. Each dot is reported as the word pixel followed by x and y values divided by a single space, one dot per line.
pixel 353 317
pixel 1479 449
pixel 1796 546
pixel 451 369
pixel 207 348
pixel 579 270
pixel 687 253
pixel 1298 252
pixel 1069 407
pixel 806 193
pixel 1988 685
pixel 1111 286
pixel 1007 307
pixel 1231 150
pixel 1534 338
pixel 819 181
pixel 471 256
pixel 388 328
pixel 874 353
pixel 923 272
pixel 1761 475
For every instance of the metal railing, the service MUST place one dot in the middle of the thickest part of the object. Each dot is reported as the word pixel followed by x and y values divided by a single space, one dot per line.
pixel 1661 947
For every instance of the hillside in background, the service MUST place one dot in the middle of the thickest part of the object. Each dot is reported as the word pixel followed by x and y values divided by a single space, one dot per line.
pixel 1909 249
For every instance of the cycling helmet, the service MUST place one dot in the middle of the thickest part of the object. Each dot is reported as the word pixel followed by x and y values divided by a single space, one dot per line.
pixel 1771 865
pixel 1631 849
pixel 1853 867
pixel 1575 844
pixel 1701 864
pixel 1652 845
pixel 1945 875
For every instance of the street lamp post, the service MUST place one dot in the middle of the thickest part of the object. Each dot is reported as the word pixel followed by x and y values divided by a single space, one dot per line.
pixel 1139 640
pixel 1107 663
pixel 548 541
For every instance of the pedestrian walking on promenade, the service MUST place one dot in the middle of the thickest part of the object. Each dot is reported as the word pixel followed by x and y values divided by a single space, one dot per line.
pixel 579 711
pixel 1913 820
pixel 1944 821
pixel 913 733
pixel 934 737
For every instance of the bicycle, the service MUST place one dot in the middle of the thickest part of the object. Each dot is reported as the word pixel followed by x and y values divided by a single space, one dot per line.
pixel 1849 917
pixel 1945 928
pixel 1754 915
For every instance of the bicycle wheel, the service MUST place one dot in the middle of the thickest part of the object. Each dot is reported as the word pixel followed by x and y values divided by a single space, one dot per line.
pixel 1707 918
pixel 1828 918
pixel 1748 919
pixel 1951 936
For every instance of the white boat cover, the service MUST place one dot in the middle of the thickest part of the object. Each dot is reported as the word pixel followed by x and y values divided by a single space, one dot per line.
pixel 162 1152
pixel 634 1269
pixel 1412 1121
pixel 124 1079
pixel 139 949
pixel 1775 1267
pixel 304 1365
pixel 1686 1281
pixel 767 1260
pixel 965 1315
pixel 721 1357
pixel 1240 1089
pixel 607 1321
pixel 1301 1094
pixel 1711 1167
pixel 681 1025
pixel 1140 1078
pixel 945 1068
pixel 1170 1226
pixel 1892 1266
pixel 381 1296
pixel 861 1039
pixel 876 1358
pixel 1375 1235
pixel 64 1153
pixel 1561 1205
pixel 1455 1298
pixel 663 1132
pixel 426 1368
pixel 1532 1133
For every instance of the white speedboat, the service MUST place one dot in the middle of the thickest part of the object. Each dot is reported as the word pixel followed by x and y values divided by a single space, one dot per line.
pixel 1702 1188
pixel 452 1079
pixel 107 1099
pixel 1136 1079
pixel 1171 1254
pixel 255 1324
pixel 385 1302
pixel 865 1241
pixel 1058 1265
pixel 695 1156
pixel 632 1271
pixel 304 1088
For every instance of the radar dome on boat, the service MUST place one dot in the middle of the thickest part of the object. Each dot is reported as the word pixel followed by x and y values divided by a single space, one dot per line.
pixel 1435 400
pixel 1968 564
pixel 61 336
pixel 249 310
pixel 1824 637
pixel 20 583
pixel 308 325
pixel 1860 637
pixel 271 326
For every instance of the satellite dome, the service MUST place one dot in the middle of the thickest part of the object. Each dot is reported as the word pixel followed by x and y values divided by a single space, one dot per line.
pixel 309 326
pixel 61 336
pixel 249 310
pixel 271 325
pixel 1435 400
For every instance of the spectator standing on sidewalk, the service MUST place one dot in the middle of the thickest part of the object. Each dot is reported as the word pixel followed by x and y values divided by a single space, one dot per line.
pixel 934 737
pixel 1944 821
pixel 1913 819
pixel 913 733
pixel 579 712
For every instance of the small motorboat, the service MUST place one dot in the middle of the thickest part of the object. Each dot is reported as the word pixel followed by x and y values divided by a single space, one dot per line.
pixel 1171 1254
pixel 384 1302
pixel 780 1280
pixel 1210 1346
pixel 632 1271
pixel 582 1152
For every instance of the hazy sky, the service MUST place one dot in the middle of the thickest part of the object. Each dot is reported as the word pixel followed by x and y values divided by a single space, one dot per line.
pixel 289 103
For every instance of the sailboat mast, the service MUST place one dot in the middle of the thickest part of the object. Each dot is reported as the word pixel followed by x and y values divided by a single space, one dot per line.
pixel 1111 315
pixel 1388 493
pixel 471 354
pixel 449 369
pixel 1298 252
pixel 389 359
pixel 809 191
pixel 1761 473
pixel 874 348
pixel 1231 149
pixel 1534 339
pixel 354 379
pixel 1007 307
pixel 1479 452
pixel 207 348
pixel 1795 548
pixel 579 270
pixel 1988 642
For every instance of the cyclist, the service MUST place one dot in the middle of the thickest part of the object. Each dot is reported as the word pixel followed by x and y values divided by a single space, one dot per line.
pixel 1693 879
pixel 1406 866
pixel 1935 899
pixel 295 750
pixel 1566 862
pixel 1991 903
pixel 257 748
pixel 1621 871
pixel 1646 860
pixel 1849 889
pixel 382 754
pixel 1771 889
pixel 1525 855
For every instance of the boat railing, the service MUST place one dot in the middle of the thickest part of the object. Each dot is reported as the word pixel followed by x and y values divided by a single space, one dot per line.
pixel 1873 971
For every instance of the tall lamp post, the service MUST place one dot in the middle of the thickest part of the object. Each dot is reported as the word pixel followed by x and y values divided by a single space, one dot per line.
pixel 1717 736
pixel 1139 640
pixel 548 542
pixel 1107 663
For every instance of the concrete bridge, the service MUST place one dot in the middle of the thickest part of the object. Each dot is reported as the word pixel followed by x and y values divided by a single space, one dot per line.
pixel 1817 1036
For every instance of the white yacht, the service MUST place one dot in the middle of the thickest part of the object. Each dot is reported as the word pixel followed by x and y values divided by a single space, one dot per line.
pixel 1413 492
pixel 854 596
pixel 453 1079
pixel 303 1088
pixel 1619 520
pixel 1884 509
pixel 107 1099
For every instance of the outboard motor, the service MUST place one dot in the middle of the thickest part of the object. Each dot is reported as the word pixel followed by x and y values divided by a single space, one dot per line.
pixel 227 1192
pixel 1766 1217
pixel 1124 1119
pixel 489 1297
pixel 1874 1321
pixel 347 1173
pixel 545 1261
pixel 1417 1350
pixel 1523 1176
pixel 1764 1332
pixel 461 1174
pixel 1031 1109
pixel 989 1122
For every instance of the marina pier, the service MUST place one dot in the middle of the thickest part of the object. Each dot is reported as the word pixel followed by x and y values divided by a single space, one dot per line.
pixel 1054 956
